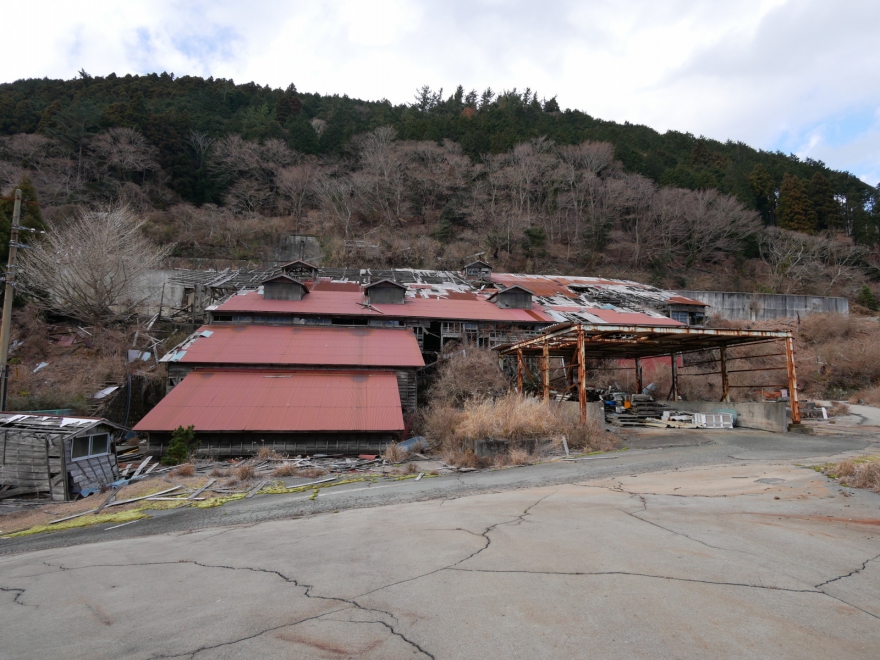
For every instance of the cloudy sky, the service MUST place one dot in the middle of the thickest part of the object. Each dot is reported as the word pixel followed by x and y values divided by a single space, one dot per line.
pixel 801 76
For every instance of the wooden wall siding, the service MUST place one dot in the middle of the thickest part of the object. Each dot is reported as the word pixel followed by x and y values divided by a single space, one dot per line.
pixel 36 461
pixel 386 295
pixel 515 300
pixel 283 443
pixel 406 384
pixel 282 291
pixel 31 460
pixel 93 471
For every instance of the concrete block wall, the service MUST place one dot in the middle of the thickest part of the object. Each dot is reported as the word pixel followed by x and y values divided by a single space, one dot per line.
pixel 765 306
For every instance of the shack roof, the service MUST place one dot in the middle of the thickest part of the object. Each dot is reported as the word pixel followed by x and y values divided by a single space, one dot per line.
pixel 295 401
pixel 384 283
pixel 464 306
pixel 51 423
pixel 301 345
pixel 286 278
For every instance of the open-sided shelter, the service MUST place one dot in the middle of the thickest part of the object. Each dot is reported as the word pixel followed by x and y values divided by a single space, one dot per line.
pixel 578 344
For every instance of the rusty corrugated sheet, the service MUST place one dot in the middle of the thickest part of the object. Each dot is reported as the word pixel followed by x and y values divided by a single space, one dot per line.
pixel 303 401
pixel 302 345
pixel 344 303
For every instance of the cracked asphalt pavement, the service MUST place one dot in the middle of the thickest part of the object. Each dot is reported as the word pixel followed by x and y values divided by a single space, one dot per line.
pixel 716 545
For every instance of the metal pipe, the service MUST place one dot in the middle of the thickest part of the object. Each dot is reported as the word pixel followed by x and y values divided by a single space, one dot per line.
pixel 6 325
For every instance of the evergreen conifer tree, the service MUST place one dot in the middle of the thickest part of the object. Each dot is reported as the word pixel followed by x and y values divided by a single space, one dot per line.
pixel 796 210
pixel 822 196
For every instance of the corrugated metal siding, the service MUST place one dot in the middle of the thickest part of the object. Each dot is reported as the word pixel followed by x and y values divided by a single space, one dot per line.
pixel 265 344
pixel 253 401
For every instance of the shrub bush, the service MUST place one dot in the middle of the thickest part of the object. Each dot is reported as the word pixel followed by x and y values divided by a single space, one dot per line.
pixel 183 443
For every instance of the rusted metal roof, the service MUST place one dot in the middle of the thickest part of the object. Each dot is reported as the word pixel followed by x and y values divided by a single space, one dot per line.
pixel 632 341
pixel 350 303
pixel 302 345
pixel 296 401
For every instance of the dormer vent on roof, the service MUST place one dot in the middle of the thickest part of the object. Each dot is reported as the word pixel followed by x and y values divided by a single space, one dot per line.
pixel 385 292
pixel 478 270
pixel 283 287
pixel 300 270
pixel 515 297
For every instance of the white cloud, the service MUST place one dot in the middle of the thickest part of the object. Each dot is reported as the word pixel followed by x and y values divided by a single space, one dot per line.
pixel 767 72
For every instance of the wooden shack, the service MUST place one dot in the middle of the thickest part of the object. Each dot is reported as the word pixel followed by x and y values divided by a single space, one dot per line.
pixel 60 456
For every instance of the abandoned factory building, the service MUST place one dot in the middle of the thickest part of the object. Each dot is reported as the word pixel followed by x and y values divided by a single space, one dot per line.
pixel 306 359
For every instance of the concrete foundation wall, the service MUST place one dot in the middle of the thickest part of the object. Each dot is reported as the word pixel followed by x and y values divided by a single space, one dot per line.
pixel 765 306
pixel 763 416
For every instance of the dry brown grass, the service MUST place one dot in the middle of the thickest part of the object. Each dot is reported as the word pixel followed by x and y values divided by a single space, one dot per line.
pixel 465 458
pixel 870 396
pixel 244 472
pixel 468 372
pixel 863 472
pixel 518 456
pixel 838 408
pixel 185 470
pixel 514 418
pixel 312 473
pixel 393 453
pixel 219 472
pixel 266 454
pixel 286 470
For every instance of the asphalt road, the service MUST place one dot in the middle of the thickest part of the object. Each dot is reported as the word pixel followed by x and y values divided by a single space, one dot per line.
pixel 718 550
pixel 648 452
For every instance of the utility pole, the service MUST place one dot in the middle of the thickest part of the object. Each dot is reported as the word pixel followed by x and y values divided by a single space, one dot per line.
pixel 6 326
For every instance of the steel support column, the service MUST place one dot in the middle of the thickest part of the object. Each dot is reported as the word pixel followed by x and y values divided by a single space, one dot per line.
pixel 792 381
pixel 674 392
pixel 582 376
pixel 725 381
pixel 545 372
pixel 519 372
pixel 639 384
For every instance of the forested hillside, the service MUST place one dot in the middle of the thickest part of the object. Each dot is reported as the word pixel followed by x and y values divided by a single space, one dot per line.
pixel 224 170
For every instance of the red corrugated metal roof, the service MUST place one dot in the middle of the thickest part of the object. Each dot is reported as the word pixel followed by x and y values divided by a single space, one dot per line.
pixel 344 303
pixel 300 345
pixel 255 401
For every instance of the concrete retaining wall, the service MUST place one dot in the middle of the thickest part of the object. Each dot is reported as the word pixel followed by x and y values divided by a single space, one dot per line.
pixel 763 416
pixel 765 306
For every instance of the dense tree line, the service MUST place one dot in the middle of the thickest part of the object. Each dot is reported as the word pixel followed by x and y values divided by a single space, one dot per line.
pixel 220 165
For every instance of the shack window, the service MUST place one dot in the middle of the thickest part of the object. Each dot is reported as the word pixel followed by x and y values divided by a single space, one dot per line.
pixel 681 317
pixel 91 445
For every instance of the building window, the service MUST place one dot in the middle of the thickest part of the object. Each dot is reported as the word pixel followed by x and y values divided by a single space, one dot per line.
pixel 681 317
pixel 91 445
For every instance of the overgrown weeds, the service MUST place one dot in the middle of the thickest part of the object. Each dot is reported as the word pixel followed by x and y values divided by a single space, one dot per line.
pixel 863 472
pixel 393 453
pixel 185 470
pixel 467 372
pixel 521 421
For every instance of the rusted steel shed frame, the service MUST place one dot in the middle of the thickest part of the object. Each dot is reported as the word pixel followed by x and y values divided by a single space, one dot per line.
pixel 580 341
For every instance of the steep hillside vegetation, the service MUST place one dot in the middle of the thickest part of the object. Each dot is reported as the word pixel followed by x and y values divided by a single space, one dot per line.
pixel 224 170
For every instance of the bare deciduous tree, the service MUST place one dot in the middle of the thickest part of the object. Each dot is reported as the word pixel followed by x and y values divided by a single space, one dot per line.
pixel 92 268
pixel 123 151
